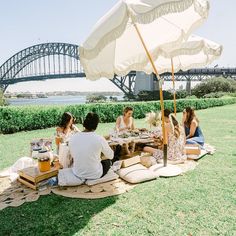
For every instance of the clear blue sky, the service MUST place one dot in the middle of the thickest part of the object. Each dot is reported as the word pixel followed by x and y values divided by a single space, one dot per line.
pixel 24 23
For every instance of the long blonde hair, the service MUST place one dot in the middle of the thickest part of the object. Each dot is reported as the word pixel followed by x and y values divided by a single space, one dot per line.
pixel 175 125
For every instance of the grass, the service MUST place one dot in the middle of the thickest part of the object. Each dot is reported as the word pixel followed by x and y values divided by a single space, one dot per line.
pixel 201 202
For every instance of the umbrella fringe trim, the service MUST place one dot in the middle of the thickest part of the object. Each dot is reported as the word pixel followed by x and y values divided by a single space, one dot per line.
pixel 155 53
pixel 105 40
pixel 137 67
pixel 201 8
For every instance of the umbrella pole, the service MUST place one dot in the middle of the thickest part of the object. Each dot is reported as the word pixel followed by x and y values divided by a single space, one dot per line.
pixel 161 94
pixel 173 81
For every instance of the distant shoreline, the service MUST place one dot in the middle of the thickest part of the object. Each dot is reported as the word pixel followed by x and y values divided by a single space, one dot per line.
pixel 29 95
pixel 52 100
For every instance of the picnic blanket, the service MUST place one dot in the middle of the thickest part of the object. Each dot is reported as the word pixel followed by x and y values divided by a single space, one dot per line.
pixel 13 194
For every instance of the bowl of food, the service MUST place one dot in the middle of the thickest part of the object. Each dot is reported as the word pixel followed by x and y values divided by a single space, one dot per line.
pixel 134 133
pixel 124 135
pixel 144 136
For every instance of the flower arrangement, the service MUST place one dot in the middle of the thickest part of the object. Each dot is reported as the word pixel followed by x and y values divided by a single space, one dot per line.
pixel 153 118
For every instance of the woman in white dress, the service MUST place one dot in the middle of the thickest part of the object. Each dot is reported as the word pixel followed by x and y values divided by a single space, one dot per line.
pixel 125 123
pixel 66 127
pixel 64 132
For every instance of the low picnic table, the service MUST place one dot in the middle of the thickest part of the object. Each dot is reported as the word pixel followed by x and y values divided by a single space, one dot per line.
pixel 136 138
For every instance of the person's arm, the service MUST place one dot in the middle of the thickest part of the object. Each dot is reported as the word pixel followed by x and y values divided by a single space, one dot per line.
pixel 118 124
pixel 184 117
pixel 183 120
pixel 184 135
pixel 132 124
pixel 168 130
pixel 59 131
pixel 75 128
pixel 193 127
pixel 106 150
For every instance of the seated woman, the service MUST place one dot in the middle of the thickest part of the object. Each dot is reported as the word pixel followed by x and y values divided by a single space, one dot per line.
pixel 191 125
pixel 66 127
pixel 126 123
pixel 175 140
pixel 63 134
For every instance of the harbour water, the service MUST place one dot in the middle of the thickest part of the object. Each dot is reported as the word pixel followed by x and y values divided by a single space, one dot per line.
pixel 52 100
pixel 66 100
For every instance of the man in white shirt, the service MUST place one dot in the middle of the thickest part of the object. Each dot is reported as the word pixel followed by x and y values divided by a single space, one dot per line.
pixel 86 148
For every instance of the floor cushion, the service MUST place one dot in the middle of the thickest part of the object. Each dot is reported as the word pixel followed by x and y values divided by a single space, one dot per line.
pixel 111 175
pixel 66 177
pixel 136 174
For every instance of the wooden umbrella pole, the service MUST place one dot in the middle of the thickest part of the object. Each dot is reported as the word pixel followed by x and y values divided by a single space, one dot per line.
pixel 173 81
pixel 161 94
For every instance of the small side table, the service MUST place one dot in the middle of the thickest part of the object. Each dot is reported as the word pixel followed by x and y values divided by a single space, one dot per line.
pixel 31 176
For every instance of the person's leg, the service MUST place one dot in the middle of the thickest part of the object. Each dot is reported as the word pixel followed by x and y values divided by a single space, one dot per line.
pixel 191 141
pixel 194 141
pixel 149 149
pixel 106 164
pixel 156 153
pixel 66 177
pixel 132 144
pixel 127 148
pixel 117 153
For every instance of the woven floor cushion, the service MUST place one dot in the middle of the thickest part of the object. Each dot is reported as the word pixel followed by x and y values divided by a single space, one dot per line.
pixel 111 175
pixel 136 174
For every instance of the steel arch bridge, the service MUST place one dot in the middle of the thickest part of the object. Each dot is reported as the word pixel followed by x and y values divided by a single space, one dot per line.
pixel 40 62
pixel 61 60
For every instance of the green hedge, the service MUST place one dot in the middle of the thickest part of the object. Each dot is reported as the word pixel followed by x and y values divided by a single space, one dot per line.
pixel 14 119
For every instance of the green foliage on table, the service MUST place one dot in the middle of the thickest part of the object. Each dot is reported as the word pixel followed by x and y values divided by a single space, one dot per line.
pixel 14 119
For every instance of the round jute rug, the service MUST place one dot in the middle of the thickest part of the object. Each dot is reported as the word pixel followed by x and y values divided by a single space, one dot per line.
pixel 15 194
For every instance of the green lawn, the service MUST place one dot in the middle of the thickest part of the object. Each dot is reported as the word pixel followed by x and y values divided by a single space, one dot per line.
pixel 202 202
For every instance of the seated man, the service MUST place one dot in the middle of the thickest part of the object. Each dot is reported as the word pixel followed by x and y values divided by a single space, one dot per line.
pixel 86 148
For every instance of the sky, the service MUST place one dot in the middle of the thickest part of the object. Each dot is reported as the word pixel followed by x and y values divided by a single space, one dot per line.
pixel 24 23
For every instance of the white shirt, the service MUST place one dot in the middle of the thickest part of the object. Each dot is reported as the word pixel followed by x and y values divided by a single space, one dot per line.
pixel 86 149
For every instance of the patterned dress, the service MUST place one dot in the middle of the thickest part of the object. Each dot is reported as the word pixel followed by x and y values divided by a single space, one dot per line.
pixel 175 150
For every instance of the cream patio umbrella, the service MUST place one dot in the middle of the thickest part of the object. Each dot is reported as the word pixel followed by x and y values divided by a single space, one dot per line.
pixel 125 38
pixel 195 52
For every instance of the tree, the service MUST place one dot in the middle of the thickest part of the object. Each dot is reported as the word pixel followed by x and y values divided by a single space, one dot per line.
pixel 213 86
pixel 113 99
pixel 3 101
pixel 145 95
pixel 96 98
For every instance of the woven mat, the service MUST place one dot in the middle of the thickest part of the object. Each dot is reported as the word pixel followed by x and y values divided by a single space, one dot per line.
pixel 107 189
pixel 15 194
pixel 188 165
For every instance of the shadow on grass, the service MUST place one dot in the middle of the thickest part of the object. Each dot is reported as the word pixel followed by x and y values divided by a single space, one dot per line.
pixel 51 215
